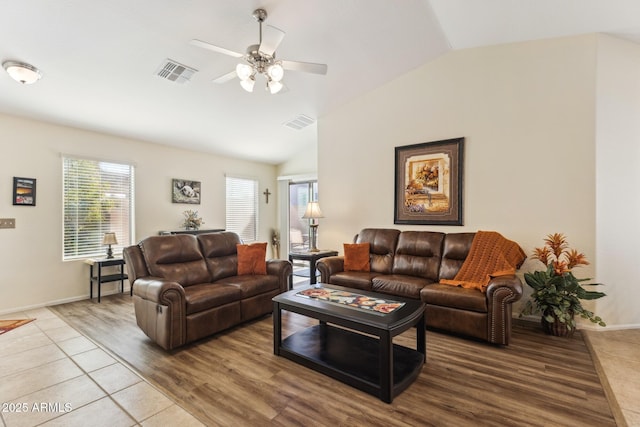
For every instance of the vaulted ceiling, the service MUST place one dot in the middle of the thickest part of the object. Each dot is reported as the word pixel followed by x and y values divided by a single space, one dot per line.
pixel 99 59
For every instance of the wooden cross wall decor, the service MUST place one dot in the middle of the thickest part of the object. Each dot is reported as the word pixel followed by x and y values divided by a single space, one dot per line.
pixel 266 195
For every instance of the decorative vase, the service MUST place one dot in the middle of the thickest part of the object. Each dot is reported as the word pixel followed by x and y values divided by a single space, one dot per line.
pixel 556 328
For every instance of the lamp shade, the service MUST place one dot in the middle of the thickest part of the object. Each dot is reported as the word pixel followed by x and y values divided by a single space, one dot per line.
pixel 244 71
pixel 276 72
pixel 274 87
pixel 248 83
pixel 313 211
pixel 109 239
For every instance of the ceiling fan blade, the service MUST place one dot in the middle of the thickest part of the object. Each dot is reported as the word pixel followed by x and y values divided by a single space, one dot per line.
pixel 215 48
pixel 271 39
pixel 225 77
pixel 307 67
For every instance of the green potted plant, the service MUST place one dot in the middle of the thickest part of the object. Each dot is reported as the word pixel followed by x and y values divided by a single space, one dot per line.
pixel 556 291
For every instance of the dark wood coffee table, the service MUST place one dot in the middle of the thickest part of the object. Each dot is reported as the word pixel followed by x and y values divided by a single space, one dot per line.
pixel 339 348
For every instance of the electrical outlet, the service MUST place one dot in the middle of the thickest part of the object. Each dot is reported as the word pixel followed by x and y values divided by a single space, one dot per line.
pixel 7 223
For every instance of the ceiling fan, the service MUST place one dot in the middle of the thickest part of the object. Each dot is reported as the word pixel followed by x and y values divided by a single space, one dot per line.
pixel 261 59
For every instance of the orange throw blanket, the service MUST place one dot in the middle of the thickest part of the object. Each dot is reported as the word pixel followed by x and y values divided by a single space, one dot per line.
pixel 491 255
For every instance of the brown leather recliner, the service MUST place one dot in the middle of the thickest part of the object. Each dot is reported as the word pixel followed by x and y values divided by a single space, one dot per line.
pixel 186 287
pixel 411 263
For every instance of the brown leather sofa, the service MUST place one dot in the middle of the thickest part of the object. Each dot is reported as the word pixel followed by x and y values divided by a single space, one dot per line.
pixel 411 263
pixel 186 287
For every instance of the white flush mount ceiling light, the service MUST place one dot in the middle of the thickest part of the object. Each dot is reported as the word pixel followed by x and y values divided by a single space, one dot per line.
pixel 260 59
pixel 22 72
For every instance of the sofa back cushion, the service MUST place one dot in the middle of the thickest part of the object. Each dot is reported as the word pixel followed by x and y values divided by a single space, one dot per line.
pixel 219 250
pixel 454 251
pixel 176 257
pixel 382 246
pixel 418 254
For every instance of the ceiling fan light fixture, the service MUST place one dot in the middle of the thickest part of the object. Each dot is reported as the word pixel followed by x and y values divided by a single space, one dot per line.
pixel 274 86
pixel 244 71
pixel 247 84
pixel 276 72
pixel 22 72
pixel 260 58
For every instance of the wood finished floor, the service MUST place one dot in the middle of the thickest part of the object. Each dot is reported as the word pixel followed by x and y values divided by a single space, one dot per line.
pixel 234 379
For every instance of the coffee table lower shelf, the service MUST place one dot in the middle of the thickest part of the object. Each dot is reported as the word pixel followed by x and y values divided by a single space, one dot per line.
pixel 352 358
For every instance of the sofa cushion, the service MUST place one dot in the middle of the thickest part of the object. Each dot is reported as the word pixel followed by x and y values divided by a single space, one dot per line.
pixel 455 249
pixel 204 296
pixel 401 285
pixel 252 259
pixel 356 257
pixel 219 250
pixel 418 254
pixel 250 285
pixel 176 258
pixel 454 297
pixel 382 243
pixel 354 279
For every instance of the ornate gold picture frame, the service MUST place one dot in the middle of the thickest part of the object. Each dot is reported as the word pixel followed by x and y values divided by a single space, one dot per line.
pixel 428 183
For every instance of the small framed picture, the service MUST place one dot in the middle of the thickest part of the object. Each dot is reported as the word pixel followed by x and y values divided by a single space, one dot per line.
pixel 185 191
pixel 24 191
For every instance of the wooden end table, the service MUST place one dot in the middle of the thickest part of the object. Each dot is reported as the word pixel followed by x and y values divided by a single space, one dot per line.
pixel 100 278
pixel 312 257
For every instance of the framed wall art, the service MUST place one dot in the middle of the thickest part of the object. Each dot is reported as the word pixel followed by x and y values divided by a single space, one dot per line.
pixel 185 191
pixel 428 183
pixel 24 191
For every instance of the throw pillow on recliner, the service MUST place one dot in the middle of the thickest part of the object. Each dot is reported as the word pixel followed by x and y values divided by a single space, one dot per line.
pixel 356 257
pixel 252 258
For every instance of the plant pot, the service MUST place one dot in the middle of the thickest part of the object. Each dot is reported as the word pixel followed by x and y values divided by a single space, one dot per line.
pixel 556 328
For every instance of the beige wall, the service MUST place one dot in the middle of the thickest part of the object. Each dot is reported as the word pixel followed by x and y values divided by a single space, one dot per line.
pixel 31 269
pixel 552 145
pixel 618 179
pixel 527 112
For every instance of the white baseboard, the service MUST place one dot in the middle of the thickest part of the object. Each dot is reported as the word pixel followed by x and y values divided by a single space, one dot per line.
pixel 585 324
pixel 62 301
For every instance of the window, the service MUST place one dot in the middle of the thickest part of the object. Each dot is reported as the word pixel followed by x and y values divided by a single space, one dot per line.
pixel 97 198
pixel 242 208
pixel 300 193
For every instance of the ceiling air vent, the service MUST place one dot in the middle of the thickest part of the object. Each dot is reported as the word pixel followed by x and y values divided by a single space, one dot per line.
pixel 299 122
pixel 175 72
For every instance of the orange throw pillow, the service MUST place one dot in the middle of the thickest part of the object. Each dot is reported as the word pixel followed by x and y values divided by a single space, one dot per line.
pixel 252 258
pixel 356 257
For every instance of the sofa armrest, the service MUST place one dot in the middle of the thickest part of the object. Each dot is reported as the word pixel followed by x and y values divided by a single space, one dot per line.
pixel 160 308
pixel 502 291
pixel 159 290
pixel 329 266
pixel 281 268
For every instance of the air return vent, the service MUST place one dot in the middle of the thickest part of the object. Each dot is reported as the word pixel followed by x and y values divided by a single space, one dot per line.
pixel 175 72
pixel 299 122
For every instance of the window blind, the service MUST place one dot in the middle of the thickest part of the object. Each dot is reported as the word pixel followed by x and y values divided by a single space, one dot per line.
pixel 242 207
pixel 97 198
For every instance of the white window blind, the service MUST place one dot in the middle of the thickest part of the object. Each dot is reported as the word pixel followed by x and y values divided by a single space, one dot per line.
pixel 97 198
pixel 242 208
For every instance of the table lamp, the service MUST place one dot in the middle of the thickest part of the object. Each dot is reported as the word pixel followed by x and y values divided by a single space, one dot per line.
pixel 312 213
pixel 109 239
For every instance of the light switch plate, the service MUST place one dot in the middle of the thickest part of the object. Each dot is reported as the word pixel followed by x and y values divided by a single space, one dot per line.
pixel 7 223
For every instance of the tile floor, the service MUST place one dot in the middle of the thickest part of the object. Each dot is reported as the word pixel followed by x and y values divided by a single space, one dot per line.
pixel 51 375
pixel 616 354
